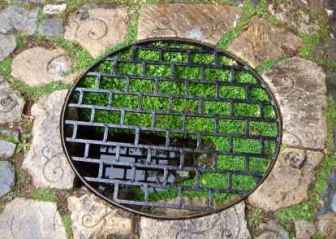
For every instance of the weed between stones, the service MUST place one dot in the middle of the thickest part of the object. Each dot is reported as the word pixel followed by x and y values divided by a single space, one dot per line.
pixel 195 124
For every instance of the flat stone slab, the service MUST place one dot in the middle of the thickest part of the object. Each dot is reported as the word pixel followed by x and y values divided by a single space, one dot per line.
pixel 26 219
pixel 7 149
pixel 45 160
pixel 97 29
pixel 204 22
pixel 289 180
pixel 7 45
pixel 93 218
pixel 11 103
pixel 18 19
pixel 262 41
pixel 7 177
pixel 300 88
pixel 38 65
pixel 230 223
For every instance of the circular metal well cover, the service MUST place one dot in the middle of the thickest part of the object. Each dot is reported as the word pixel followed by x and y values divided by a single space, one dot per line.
pixel 171 128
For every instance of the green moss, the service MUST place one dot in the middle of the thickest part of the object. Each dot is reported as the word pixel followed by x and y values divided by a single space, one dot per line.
pixel 5 67
pixel 67 222
pixel 32 93
pixel 310 42
pixel 44 194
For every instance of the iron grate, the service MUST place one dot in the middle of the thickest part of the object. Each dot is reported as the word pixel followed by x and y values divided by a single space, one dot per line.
pixel 171 128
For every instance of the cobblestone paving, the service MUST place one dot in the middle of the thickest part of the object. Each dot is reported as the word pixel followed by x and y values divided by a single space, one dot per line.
pixel 43 47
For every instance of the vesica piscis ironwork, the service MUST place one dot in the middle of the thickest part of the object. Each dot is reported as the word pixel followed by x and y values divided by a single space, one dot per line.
pixel 171 128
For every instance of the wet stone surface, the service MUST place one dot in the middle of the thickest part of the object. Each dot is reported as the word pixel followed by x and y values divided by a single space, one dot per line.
pixel 287 184
pixel 7 45
pixel 25 219
pixel 11 103
pixel 262 41
pixel 93 218
pixel 230 223
pixel 18 19
pixel 7 177
pixel 203 22
pixel 39 65
pixel 97 29
pixel 46 161
pixel 300 89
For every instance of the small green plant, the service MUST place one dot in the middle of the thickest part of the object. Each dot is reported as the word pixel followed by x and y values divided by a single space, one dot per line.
pixel 67 222
pixel 44 194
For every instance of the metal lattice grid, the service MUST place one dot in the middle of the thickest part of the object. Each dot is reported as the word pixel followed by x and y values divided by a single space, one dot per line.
pixel 171 128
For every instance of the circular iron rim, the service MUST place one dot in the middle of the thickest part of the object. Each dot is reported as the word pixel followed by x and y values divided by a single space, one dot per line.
pixel 193 42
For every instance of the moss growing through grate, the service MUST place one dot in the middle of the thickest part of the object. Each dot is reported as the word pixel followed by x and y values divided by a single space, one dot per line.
pixel 168 84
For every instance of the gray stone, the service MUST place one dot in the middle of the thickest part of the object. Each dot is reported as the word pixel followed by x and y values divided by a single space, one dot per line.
pixel 11 103
pixel 7 177
pixel 204 22
pixel 230 223
pixel 296 15
pixel 7 45
pixel 300 89
pixel 7 149
pixel 272 230
pixel 38 65
pixel 304 229
pixel 45 160
pixel 329 196
pixel 51 27
pixel 93 218
pixel 18 19
pixel 262 41
pixel 97 29
pixel 54 9
pixel 286 185
pixel 27 219
pixel 326 225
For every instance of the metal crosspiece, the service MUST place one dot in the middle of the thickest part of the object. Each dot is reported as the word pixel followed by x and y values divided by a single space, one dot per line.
pixel 171 128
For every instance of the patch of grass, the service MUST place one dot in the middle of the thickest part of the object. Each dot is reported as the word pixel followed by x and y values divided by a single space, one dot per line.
pixel 5 68
pixel 44 194
pixel 32 93
pixel 254 218
pixel 67 225
pixel 310 42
